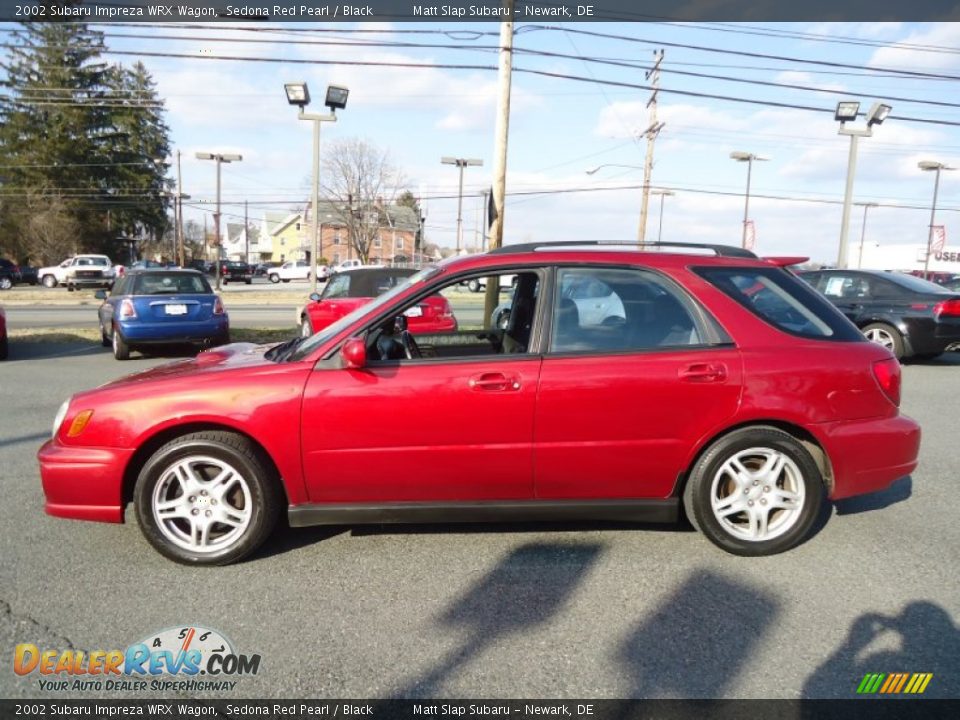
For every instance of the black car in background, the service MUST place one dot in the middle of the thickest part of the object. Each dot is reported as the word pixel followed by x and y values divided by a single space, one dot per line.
pixel 912 317
pixel 235 271
pixel 12 274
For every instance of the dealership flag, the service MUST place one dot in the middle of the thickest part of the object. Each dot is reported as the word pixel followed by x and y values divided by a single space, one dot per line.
pixel 939 241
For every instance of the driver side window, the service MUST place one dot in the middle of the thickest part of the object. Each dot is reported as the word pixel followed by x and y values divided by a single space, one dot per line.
pixel 452 323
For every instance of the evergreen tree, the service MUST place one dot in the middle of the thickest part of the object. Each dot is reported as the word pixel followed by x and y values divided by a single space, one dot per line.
pixel 80 132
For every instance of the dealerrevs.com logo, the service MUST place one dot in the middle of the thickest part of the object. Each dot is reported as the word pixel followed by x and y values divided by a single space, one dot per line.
pixel 190 658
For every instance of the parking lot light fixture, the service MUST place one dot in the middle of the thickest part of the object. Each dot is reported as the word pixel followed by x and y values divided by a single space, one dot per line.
pixel 848 111
pixel 336 99
pixel 749 159
pixel 935 167
pixel 219 158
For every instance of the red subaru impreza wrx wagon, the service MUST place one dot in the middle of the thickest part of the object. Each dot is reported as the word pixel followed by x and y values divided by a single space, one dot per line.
pixel 709 381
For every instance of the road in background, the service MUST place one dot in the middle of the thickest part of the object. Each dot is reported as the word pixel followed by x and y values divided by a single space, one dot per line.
pixel 522 610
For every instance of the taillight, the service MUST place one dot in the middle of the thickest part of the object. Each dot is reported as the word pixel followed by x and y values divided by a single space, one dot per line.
pixel 887 373
pixel 218 307
pixel 947 308
pixel 446 311
pixel 127 310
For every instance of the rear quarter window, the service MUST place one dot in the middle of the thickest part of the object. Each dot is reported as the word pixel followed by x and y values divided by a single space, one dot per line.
pixel 783 301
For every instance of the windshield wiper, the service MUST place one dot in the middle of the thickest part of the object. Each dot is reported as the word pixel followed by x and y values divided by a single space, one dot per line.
pixel 283 350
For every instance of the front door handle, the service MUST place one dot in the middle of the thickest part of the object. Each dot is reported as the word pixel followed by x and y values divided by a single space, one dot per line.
pixel 493 382
pixel 703 372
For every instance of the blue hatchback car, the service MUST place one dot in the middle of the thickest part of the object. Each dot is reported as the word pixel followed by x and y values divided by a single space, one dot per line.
pixel 161 307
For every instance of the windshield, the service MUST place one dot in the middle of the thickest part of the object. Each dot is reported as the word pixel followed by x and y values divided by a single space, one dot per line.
pixel 372 307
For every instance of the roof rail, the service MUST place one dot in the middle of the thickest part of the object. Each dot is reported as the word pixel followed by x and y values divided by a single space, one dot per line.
pixel 720 250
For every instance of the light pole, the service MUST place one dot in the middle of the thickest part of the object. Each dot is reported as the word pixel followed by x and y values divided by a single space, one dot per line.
pixel 220 158
pixel 936 167
pixel 749 159
pixel 460 163
pixel 298 94
pixel 863 231
pixel 847 111
pixel 662 193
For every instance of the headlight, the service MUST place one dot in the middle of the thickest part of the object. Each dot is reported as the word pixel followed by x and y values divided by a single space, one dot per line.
pixel 61 414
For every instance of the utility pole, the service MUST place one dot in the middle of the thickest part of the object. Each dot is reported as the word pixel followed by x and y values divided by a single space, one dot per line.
pixel 461 163
pixel 181 256
pixel 246 234
pixel 653 74
pixel 502 133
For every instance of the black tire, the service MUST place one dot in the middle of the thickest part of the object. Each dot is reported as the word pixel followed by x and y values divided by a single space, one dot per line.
pixel 285 280
pixel 274 278
pixel 5 283
pixel 49 281
pixel 105 340
pixel 69 287
pixel 927 356
pixel 222 339
pixel 711 482
pixel 258 485
pixel 886 335
pixel 474 286
pixel 121 351
pixel 249 282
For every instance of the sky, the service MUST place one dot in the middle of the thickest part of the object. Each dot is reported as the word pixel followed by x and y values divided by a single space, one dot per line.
pixel 561 127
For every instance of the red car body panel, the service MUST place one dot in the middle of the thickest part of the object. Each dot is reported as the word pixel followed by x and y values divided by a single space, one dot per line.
pixel 436 317
pixel 597 426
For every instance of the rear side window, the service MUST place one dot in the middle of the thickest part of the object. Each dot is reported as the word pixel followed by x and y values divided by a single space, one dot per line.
pixel 781 300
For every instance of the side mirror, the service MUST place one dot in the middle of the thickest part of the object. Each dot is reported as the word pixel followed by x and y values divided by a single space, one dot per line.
pixel 315 297
pixel 354 353
pixel 100 294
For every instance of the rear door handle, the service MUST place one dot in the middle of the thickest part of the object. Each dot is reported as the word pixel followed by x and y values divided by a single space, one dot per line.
pixel 703 372
pixel 493 382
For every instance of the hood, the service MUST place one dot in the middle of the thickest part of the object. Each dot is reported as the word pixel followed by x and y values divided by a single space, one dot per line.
pixel 225 357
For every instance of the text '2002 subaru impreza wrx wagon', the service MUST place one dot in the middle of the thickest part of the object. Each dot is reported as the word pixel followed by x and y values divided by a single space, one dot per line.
pixel 717 382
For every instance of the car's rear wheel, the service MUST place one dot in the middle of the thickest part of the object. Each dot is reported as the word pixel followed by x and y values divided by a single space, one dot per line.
pixel 274 278
pixel 121 351
pixel 49 281
pixel 756 491
pixel 207 498
pixel 474 286
pixel 885 335
pixel 6 283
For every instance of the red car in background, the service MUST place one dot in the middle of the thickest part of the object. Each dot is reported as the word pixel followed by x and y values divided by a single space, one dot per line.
pixel 350 289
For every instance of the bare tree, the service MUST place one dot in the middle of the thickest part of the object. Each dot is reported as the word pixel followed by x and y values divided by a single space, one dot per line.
pixel 361 181
pixel 54 231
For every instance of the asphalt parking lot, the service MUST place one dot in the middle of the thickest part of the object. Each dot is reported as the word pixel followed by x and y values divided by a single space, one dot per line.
pixel 501 612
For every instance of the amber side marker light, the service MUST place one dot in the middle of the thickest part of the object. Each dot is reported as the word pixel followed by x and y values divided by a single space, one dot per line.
pixel 79 423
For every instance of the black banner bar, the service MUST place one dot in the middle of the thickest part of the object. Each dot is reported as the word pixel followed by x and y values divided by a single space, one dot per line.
pixel 525 11
pixel 886 709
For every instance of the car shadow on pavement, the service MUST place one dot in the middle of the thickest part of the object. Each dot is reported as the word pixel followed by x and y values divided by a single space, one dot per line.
pixel 519 527
pixel 286 538
pixel 922 638
pixel 523 591
pixel 695 644
pixel 899 491
pixel 49 350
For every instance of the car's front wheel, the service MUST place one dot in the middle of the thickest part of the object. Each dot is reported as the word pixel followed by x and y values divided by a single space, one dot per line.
pixel 207 498
pixel 756 491
pixel 49 281
pixel 6 283
pixel 274 278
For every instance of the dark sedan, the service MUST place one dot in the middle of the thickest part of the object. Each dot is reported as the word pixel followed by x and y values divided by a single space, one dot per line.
pixel 235 271
pixel 12 274
pixel 912 317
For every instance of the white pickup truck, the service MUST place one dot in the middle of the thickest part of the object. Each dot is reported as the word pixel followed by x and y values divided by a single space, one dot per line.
pixel 79 271
pixel 296 270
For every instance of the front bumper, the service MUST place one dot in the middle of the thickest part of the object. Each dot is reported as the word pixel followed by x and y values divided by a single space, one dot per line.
pixel 83 483
pixel 869 455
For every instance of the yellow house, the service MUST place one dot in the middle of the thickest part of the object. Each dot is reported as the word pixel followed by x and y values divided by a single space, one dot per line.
pixel 287 234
